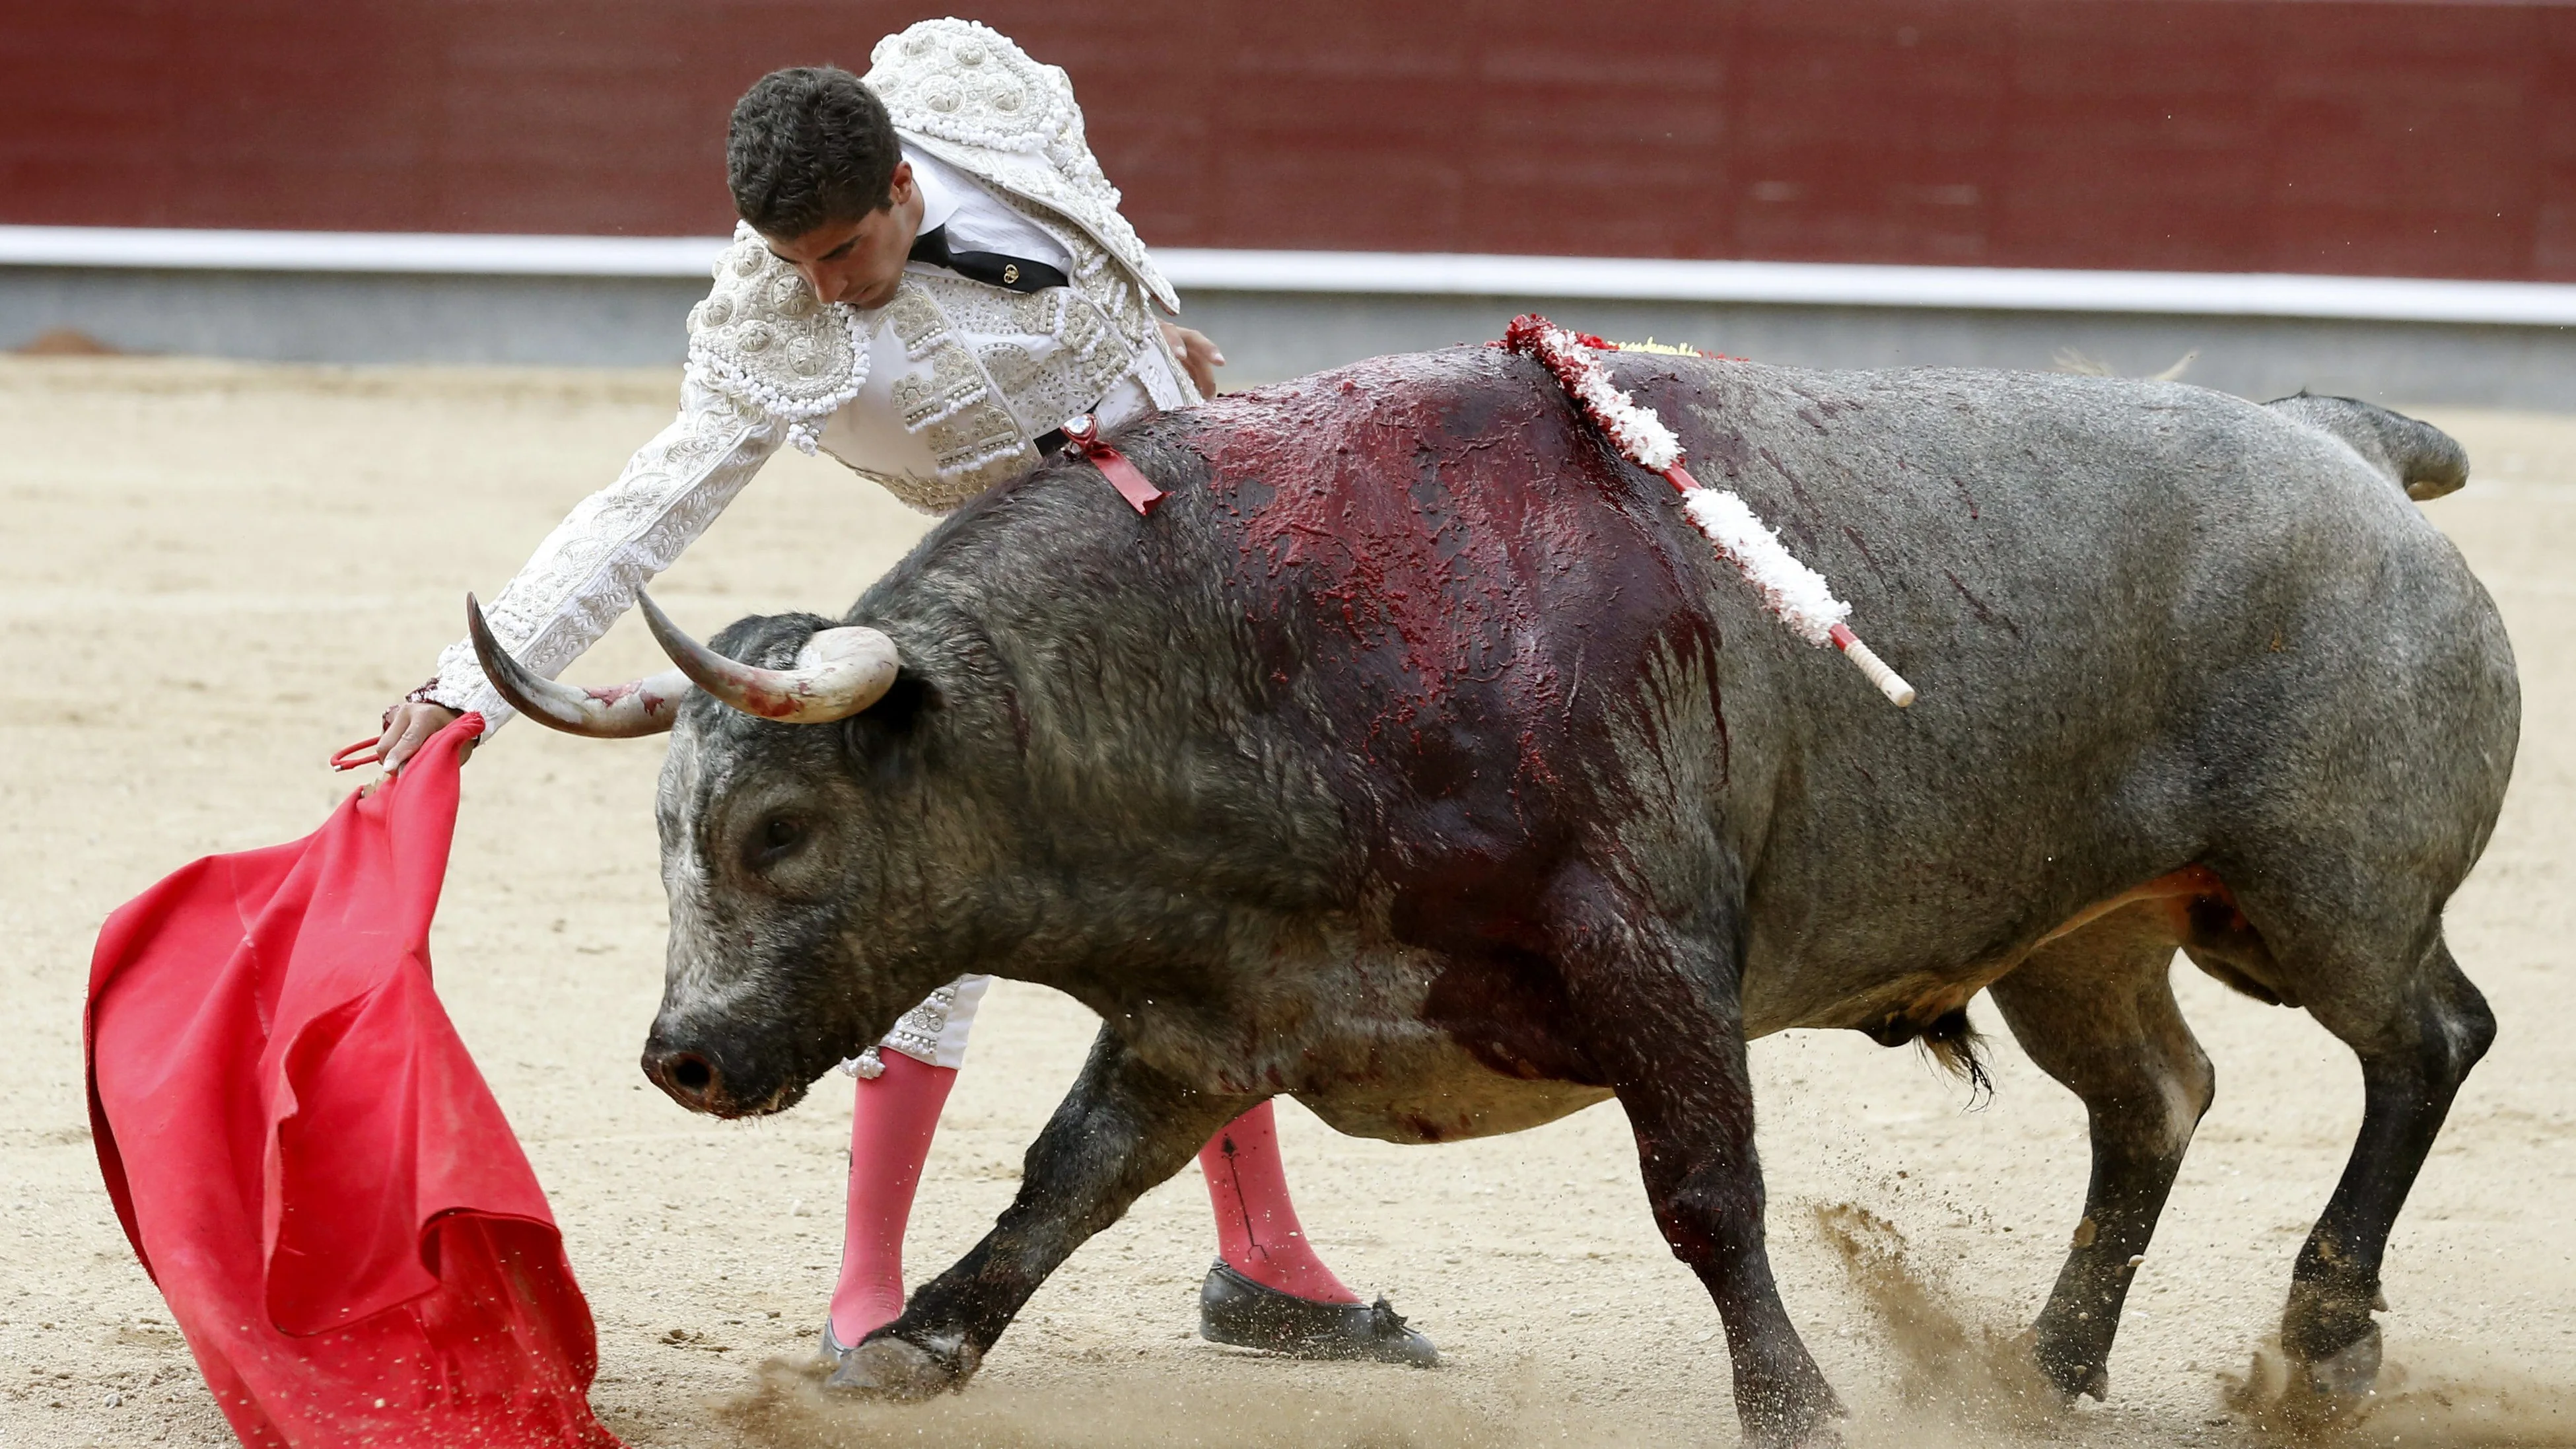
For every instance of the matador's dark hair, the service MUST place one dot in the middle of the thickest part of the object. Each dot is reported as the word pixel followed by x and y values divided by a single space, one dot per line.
pixel 808 145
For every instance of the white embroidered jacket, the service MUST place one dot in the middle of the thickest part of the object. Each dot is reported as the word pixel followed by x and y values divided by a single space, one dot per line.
pixel 971 374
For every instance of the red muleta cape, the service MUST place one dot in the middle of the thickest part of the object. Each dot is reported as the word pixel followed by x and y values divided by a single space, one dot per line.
pixel 305 1158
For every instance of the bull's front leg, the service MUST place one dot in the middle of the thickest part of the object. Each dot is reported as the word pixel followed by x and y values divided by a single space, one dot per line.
pixel 1656 1011
pixel 1124 1128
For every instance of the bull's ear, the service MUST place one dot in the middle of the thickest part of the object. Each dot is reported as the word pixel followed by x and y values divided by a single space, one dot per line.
pixel 880 740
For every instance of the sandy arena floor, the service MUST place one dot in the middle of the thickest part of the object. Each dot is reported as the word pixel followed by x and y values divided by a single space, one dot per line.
pixel 211 575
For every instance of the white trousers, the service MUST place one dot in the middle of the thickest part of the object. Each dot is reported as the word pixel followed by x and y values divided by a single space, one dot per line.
pixel 933 1033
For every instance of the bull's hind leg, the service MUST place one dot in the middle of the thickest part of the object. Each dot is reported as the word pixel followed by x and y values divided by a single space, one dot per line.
pixel 2096 1011
pixel 2417 1032
pixel 1657 1013
pixel 1122 1129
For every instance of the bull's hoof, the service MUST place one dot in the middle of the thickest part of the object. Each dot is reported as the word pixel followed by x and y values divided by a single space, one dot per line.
pixel 886 1367
pixel 2069 1375
pixel 2335 1389
pixel 1818 1432
pixel 2067 1386
pixel 1802 1422
pixel 1237 1311
pixel 2303 1399
pixel 2095 1382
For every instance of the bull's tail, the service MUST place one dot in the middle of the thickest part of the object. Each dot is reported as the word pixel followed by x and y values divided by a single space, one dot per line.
pixel 2417 456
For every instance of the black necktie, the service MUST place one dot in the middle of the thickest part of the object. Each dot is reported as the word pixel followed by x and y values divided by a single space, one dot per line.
pixel 1019 274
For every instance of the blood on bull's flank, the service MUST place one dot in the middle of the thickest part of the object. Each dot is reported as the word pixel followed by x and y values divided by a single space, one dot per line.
pixel 1417 758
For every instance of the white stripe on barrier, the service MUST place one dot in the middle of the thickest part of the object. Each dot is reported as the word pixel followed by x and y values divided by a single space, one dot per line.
pixel 453 253
pixel 1634 279
pixel 1827 284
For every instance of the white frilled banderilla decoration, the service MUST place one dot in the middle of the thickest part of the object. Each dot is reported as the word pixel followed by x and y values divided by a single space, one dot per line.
pixel 1792 590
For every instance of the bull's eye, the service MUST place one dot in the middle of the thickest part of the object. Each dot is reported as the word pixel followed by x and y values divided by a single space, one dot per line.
pixel 777 835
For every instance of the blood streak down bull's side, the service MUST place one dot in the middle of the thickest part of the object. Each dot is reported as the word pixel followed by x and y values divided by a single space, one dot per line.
pixel 1418 759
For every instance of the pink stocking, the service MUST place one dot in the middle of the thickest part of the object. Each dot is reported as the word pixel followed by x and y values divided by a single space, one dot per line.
pixel 890 1130
pixel 1257 1231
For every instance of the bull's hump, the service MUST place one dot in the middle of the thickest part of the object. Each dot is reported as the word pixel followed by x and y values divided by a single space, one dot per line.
pixel 1437 506
pixel 1465 386
pixel 1439 553
pixel 1406 469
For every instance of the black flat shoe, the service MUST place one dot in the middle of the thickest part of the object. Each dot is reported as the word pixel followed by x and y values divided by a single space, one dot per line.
pixel 1237 1311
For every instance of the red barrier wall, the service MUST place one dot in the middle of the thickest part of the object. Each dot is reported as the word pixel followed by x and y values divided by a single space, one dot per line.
pixel 2296 135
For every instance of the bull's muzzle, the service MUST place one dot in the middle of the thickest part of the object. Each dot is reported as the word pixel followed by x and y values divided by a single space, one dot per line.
pixel 700 1076
pixel 689 1078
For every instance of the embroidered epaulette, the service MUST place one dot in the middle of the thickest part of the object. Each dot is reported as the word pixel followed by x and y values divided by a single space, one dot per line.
pixel 762 338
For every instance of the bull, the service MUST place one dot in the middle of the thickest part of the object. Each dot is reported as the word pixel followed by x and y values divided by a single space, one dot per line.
pixel 1416 759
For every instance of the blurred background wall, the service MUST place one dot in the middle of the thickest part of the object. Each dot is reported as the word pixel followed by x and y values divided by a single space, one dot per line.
pixel 2431 140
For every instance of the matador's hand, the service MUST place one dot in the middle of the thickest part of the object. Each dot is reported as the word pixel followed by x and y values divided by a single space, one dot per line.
pixel 408 726
pixel 1196 354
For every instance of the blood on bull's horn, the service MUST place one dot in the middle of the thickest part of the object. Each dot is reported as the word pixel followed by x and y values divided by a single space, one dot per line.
pixel 643 707
pixel 838 673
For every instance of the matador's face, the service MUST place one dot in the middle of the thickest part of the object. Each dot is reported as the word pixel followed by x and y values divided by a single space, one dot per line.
pixel 859 262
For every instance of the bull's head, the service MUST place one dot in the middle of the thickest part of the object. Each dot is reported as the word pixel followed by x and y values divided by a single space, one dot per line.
pixel 773 848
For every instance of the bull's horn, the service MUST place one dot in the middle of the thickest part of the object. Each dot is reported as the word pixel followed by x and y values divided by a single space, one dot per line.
pixel 644 707
pixel 838 673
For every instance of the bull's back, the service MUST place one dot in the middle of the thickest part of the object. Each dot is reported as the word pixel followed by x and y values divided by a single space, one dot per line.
pixel 2140 616
pixel 2120 601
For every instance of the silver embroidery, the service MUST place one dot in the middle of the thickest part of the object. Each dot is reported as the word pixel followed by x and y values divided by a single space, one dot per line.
pixel 924 1033
pixel 587 571
pixel 1114 297
pixel 762 337
pixel 974 438
pixel 916 1033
